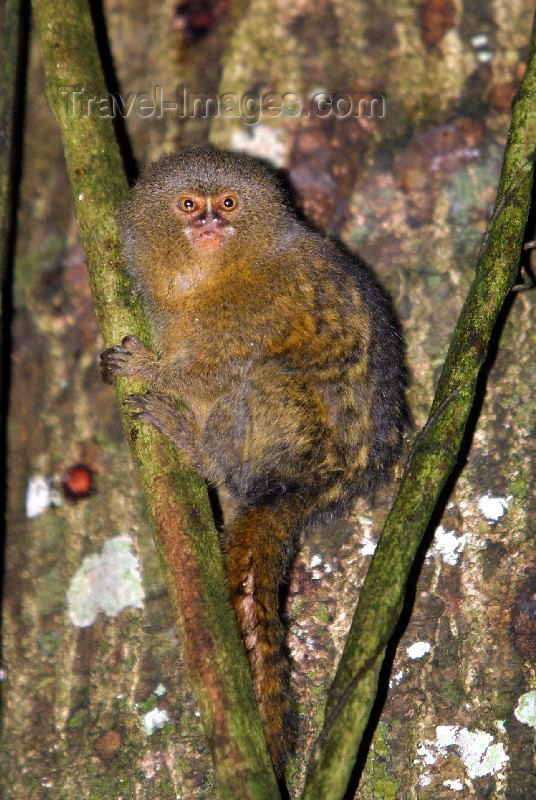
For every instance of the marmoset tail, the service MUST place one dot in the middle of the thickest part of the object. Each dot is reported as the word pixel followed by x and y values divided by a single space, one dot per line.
pixel 285 351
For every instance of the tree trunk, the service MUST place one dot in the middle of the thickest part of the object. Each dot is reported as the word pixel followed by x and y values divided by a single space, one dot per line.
pixel 96 701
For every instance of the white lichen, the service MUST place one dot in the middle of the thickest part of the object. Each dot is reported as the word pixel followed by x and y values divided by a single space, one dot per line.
pixel 418 649
pixel 479 40
pixel 368 545
pixel 478 753
pixel 456 785
pixel 446 736
pixel 154 720
pixel 477 750
pixel 108 581
pixel 492 508
pixel 397 678
pixel 448 545
pixel 525 711
pixel 38 496
pixel 427 752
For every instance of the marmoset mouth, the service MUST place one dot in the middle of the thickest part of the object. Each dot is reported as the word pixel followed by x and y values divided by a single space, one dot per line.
pixel 210 237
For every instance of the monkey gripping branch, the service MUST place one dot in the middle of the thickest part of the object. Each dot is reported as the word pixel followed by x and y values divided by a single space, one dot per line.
pixel 176 498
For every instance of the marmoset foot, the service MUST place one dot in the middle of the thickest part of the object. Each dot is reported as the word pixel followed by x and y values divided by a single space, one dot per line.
pixel 178 424
pixel 130 358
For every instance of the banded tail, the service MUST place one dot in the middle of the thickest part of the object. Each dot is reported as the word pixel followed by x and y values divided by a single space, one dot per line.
pixel 258 545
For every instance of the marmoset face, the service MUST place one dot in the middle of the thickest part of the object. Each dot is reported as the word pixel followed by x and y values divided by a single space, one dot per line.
pixel 199 210
pixel 208 220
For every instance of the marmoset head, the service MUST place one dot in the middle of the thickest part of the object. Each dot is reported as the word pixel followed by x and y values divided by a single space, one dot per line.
pixel 197 203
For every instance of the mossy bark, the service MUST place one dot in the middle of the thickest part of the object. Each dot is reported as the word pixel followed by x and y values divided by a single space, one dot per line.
pixel 415 207
pixel 434 456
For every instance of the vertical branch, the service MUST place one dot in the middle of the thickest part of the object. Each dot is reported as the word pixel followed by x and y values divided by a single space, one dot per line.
pixel 434 456
pixel 13 34
pixel 175 496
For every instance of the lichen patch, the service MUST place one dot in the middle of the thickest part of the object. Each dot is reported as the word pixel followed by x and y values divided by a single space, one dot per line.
pixel 525 711
pixel 108 581
pixel 493 508
pixel 477 750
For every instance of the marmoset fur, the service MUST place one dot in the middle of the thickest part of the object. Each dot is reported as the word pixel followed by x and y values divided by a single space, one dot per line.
pixel 286 353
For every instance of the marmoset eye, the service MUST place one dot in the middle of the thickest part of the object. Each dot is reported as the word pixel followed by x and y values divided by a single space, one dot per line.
pixel 187 204
pixel 229 203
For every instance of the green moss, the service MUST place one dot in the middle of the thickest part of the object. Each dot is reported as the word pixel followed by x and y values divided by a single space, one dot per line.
pixel 453 692
pixel 503 699
pixel 49 642
pixel 323 614
pixel 520 486
pixel 77 719
pixel 148 704
pixel 378 781
pixel 44 682
pixel 49 592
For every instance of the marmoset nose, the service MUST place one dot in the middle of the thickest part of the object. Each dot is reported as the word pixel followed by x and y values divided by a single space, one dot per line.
pixel 207 217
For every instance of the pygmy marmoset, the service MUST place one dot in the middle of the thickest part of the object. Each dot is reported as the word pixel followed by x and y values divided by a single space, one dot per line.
pixel 284 349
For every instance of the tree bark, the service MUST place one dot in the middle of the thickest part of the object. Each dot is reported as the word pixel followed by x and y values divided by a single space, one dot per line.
pixel 418 186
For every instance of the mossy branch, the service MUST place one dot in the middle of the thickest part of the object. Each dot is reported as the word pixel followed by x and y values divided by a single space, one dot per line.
pixel 432 461
pixel 11 26
pixel 176 498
